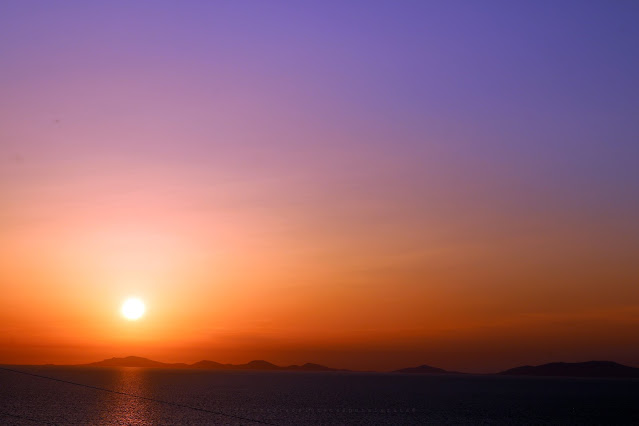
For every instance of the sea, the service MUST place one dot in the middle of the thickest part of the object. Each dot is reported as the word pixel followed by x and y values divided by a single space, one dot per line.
pixel 146 396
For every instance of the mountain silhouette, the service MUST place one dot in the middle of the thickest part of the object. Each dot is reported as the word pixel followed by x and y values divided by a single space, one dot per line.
pixel 210 365
pixel 261 365
pixel 576 369
pixel 558 369
pixel 425 369
pixel 135 361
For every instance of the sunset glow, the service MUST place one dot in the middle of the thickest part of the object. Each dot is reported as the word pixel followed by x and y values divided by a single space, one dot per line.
pixel 365 185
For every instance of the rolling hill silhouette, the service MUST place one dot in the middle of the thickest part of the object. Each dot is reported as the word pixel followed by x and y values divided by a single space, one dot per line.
pixel 135 361
pixel 576 369
pixel 261 365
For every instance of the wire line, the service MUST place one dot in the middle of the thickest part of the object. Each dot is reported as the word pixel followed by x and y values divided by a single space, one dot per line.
pixel 175 404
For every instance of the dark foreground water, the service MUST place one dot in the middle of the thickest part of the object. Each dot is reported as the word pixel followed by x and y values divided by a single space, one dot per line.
pixel 293 398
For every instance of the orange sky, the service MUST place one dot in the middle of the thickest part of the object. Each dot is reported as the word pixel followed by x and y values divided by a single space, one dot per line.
pixel 353 197
pixel 293 279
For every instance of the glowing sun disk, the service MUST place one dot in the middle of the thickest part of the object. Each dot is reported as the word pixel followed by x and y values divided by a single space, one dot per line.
pixel 133 308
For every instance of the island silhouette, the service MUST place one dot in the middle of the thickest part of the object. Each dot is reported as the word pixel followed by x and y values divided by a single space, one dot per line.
pixel 136 361
pixel 556 369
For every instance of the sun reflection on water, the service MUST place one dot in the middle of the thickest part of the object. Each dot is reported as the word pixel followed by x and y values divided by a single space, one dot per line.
pixel 127 409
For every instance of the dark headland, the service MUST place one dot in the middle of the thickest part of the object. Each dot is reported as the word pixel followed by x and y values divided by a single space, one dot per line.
pixel 575 369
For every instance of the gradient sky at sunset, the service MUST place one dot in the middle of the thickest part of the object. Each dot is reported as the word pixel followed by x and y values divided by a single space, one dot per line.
pixel 363 184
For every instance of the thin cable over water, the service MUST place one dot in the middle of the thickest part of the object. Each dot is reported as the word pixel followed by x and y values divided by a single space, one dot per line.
pixel 160 401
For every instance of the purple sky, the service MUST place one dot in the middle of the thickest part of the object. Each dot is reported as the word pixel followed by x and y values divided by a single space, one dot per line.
pixel 363 136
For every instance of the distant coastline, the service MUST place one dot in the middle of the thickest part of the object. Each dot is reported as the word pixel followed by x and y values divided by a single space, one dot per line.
pixel 135 361
pixel 556 369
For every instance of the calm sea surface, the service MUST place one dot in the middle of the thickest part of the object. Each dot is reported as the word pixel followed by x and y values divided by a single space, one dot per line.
pixel 294 398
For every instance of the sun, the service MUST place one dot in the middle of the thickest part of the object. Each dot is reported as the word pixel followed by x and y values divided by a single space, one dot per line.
pixel 133 308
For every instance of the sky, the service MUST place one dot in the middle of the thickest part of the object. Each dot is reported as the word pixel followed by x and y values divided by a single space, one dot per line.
pixel 362 184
